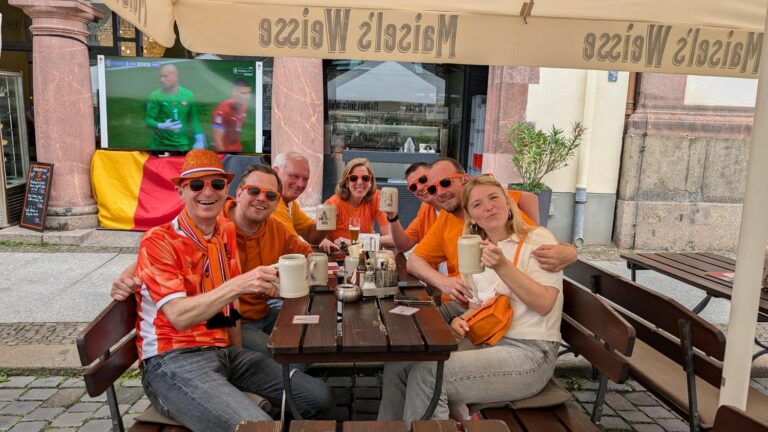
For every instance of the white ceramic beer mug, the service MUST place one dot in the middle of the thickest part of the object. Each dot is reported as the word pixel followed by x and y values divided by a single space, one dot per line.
pixel 325 217
pixel 292 270
pixel 388 201
pixel 470 251
pixel 318 269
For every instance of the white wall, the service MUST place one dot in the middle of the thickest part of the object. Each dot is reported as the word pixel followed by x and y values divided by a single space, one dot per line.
pixel 706 90
pixel 559 99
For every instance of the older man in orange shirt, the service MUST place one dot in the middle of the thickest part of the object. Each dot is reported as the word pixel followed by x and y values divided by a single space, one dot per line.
pixel 448 178
pixel 293 169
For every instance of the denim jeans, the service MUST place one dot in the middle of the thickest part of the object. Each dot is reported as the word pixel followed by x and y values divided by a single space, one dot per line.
pixel 256 333
pixel 201 388
pixel 513 369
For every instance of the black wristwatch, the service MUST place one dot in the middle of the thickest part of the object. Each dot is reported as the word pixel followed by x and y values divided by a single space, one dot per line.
pixel 394 219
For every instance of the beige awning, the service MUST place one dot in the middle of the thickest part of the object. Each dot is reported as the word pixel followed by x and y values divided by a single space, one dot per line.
pixel 703 37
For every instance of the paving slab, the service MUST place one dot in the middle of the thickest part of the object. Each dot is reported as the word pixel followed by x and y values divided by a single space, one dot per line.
pixel 71 419
pixel 47 414
pixel 35 426
pixel 20 408
pixel 64 398
pixel 38 394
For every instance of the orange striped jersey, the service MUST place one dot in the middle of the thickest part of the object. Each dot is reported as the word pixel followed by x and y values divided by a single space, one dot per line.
pixel 171 265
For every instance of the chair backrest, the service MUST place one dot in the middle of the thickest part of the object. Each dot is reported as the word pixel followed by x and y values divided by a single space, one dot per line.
pixel 593 329
pixel 730 419
pixel 649 312
pixel 108 345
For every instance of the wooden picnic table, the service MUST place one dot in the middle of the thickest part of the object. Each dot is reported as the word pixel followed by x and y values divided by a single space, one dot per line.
pixel 692 268
pixel 368 332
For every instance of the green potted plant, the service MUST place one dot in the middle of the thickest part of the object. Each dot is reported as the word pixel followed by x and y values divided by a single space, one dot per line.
pixel 537 153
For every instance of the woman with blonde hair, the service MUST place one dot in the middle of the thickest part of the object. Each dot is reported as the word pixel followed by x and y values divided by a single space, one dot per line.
pixel 521 363
pixel 356 197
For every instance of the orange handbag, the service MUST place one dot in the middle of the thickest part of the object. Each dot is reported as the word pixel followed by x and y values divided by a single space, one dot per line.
pixel 489 322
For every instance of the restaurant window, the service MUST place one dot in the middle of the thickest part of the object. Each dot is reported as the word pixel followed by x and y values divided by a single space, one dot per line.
pixel 386 105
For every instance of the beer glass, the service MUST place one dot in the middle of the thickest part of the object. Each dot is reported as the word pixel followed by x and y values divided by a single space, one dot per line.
pixel 354 228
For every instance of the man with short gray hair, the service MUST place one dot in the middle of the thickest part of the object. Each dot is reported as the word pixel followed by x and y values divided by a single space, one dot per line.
pixel 293 169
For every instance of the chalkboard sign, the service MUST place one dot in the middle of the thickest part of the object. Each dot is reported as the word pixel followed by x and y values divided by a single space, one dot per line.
pixel 36 197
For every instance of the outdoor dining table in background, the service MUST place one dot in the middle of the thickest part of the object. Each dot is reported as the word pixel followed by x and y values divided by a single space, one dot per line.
pixel 368 333
pixel 692 268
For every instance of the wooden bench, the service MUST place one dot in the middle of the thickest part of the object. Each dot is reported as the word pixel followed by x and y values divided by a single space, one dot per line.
pixel 376 426
pixel 107 347
pixel 678 355
pixel 730 419
pixel 594 330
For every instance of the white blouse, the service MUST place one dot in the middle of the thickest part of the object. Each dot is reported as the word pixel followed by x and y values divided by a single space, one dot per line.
pixel 526 323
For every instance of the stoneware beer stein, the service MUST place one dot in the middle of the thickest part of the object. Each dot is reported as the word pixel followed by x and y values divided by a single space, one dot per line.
pixel 470 251
pixel 318 268
pixel 325 217
pixel 388 201
pixel 292 270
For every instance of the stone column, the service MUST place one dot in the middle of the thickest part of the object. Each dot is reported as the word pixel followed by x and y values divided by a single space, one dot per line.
pixel 297 117
pixel 506 103
pixel 64 127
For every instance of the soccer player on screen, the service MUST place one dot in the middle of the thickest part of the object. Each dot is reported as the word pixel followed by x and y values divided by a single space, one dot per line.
pixel 170 112
pixel 228 118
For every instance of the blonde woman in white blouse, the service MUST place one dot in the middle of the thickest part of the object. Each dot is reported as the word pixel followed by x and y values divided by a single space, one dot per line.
pixel 523 361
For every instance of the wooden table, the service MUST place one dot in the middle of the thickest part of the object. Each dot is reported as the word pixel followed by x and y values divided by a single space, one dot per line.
pixel 368 333
pixel 692 268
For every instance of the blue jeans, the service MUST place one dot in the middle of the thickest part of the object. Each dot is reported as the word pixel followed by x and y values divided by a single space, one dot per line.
pixel 201 388
pixel 256 333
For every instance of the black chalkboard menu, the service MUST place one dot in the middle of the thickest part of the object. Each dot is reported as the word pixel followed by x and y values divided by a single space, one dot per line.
pixel 36 197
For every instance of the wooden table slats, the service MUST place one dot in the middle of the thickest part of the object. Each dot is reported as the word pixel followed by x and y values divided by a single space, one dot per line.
pixel 361 328
pixel 402 330
pixel 437 334
pixel 321 337
pixel 691 268
pixel 484 426
pixel 376 426
pixel 286 336
pixel 434 426
pixel 312 426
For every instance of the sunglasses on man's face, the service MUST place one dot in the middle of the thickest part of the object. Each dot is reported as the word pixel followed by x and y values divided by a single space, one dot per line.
pixel 216 184
pixel 421 180
pixel 256 191
pixel 354 177
pixel 444 183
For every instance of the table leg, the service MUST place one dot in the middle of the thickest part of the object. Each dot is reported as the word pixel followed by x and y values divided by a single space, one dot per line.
pixel 436 396
pixel 702 304
pixel 289 393
pixel 633 271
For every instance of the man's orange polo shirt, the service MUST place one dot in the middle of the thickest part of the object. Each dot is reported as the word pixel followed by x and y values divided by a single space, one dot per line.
pixel 294 219
pixel 440 242
pixel 263 247
pixel 421 224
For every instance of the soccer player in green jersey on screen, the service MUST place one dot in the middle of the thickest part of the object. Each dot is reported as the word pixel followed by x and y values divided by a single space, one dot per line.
pixel 170 110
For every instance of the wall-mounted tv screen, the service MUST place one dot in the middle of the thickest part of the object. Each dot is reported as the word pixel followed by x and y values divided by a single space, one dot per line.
pixel 179 104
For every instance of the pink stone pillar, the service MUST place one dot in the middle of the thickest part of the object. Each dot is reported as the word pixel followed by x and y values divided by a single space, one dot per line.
pixel 64 127
pixel 506 103
pixel 297 117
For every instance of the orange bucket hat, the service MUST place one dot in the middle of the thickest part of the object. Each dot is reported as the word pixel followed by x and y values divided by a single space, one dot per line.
pixel 201 163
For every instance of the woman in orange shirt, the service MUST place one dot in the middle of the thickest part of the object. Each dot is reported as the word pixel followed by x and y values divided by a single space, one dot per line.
pixel 356 196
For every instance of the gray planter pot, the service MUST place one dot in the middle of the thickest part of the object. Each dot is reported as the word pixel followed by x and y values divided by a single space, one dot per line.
pixel 545 199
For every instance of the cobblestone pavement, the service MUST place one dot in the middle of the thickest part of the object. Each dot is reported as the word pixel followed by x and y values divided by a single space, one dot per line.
pixel 56 403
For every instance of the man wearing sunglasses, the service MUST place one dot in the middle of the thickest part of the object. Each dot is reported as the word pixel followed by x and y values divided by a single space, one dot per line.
pixel 293 170
pixel 261 240
pixel 188 329
pixel 447 178
pixel 417 177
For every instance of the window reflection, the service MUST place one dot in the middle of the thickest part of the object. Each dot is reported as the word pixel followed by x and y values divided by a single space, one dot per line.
pixel 386 106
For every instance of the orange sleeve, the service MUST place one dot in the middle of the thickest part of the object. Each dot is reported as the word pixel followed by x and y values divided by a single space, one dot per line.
pixel 342 218
pixel 293 244
pixel 515 195
pixel 430 248
pixel 157 266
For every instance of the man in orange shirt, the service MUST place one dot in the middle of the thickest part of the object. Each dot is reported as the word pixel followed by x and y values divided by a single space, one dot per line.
pixel 447 178
pixel 417 176
pixel 190 281
pixel 293 169
pixel 261 240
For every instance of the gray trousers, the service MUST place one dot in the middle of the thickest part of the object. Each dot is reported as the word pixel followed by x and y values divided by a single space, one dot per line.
pixel 513 369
